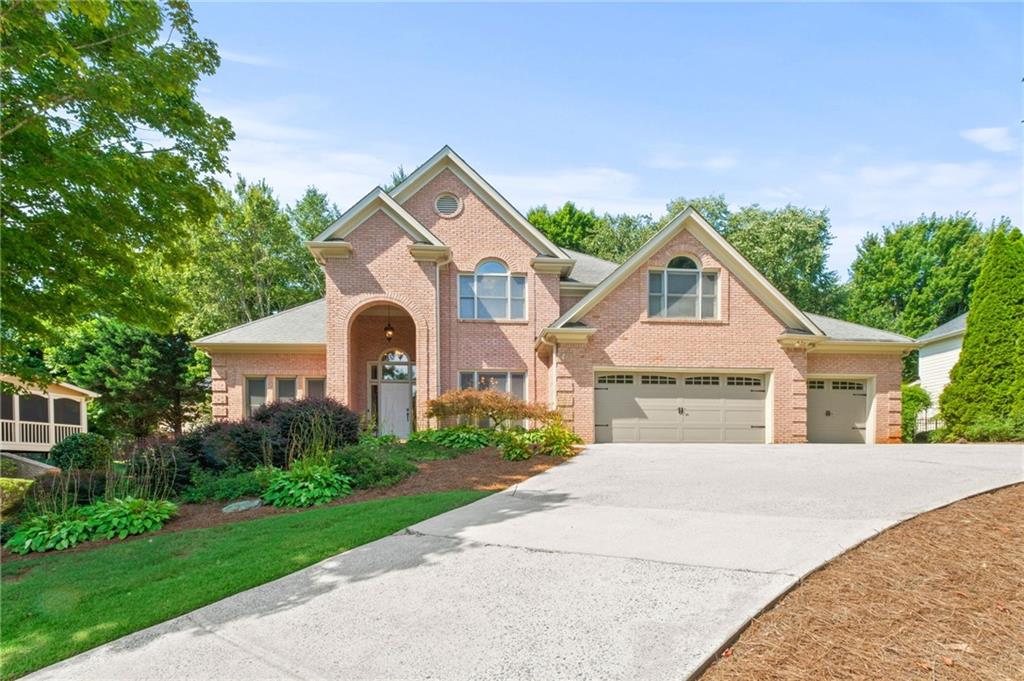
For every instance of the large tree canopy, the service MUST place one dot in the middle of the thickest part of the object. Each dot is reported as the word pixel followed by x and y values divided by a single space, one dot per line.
pixel 308 217
pixel 616 237
pixel 916 275
pixel 984 382
pixel 244 263
pixel 568 227
pixel 106 155
pixel 146 380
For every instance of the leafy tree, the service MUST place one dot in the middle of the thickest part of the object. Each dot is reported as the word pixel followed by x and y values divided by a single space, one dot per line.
pixel 243 264
pixel 916 275
pixel 106 155
pixel 616 237
pixel 309 217
pixel 984 383
pixel 397 178
pixel 568 227
pixel 713 208
pixel 146 380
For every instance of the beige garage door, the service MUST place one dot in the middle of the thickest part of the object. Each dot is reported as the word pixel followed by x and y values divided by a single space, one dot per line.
pixel 669 407
pixel 837 410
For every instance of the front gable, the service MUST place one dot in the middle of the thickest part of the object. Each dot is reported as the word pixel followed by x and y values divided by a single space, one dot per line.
pixel 690 234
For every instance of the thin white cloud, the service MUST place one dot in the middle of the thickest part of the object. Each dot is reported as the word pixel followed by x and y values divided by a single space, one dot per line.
pixel 246 58
pixel 603 189
pixel 994 139
pixel 675 160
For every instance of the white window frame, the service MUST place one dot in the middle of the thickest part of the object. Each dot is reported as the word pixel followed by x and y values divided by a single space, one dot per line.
pixel 508 378
pixel 474 278
pixel 305 385
pixel 277 388
pixel 699 296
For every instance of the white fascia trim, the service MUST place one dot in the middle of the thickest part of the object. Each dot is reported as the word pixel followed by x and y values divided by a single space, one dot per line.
pixel 377 199
pixel 731 260
pixel 945 336
pixel 447 158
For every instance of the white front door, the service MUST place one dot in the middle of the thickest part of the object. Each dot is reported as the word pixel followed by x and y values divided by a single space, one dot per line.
pixel 395 409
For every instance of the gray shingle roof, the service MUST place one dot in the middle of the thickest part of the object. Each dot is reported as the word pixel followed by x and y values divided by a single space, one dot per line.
pixel 302 325
pixel 955 325
pixel 588 269
pixel 843 330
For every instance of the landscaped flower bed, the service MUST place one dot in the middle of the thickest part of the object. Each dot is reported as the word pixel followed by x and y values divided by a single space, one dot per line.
pixel 290 456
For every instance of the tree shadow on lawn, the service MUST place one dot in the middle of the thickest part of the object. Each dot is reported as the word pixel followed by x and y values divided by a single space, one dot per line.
pixel 405 550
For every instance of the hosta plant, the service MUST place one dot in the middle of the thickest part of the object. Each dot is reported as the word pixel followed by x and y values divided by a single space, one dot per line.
pixel 123 517
pixel 49 531
pixel 306 483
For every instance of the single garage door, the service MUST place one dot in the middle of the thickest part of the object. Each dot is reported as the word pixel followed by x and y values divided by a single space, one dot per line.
pixel 837 410
pixel 669 407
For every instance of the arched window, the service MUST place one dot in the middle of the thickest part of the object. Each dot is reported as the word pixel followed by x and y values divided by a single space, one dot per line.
pixel 492 292
pixel 683 291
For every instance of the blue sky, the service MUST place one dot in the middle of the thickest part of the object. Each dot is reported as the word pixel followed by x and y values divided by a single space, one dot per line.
pixel 878 112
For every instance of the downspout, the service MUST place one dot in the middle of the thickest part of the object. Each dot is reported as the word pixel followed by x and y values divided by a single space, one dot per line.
pixel 437 319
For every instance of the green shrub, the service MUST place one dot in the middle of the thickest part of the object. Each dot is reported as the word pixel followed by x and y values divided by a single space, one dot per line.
pixel 306 483
pixel 8 469
pixel 82 450
pixel 465 438
pixel 227 485
pixel 984 385
pixel 49 531
pixel 518 444
pixel 558 440
pixel 12 493
pixel 123 517
pixel 373 466
pixel 488 406
pixel 995 429
pixel 915 400
pixel 319 424
pixel 243 444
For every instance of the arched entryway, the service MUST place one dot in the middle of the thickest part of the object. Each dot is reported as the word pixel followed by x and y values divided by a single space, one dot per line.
pixel 382 361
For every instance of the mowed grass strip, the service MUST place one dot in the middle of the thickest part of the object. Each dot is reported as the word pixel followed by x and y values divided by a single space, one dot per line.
pixel 57 605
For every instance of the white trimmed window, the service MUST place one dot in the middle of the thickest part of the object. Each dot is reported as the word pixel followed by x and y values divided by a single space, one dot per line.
pixel 682 290
pixel 492 292
pixel 511 382
pixel 316 388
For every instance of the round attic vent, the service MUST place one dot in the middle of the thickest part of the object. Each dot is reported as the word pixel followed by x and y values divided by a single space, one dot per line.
pixel 447 204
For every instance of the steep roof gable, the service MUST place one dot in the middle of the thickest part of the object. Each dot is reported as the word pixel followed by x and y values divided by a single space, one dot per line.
pixel 446 158
pixel 730 258
pixel 377 200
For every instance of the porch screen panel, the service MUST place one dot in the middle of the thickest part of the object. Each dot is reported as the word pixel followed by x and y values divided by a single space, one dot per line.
pixel 67 411
pixel 33 408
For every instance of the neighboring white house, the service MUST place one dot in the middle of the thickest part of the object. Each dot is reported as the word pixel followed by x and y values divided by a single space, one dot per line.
pixel 34 419
pixel 939 351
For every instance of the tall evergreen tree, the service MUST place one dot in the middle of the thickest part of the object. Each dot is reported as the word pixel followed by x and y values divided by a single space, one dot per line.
pixel 985 381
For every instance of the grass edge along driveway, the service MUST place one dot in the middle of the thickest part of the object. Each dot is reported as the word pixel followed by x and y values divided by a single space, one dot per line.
pixel 55 606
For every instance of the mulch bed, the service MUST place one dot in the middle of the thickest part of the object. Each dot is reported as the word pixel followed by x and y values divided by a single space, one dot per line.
pixel 940 596
pixel 482 470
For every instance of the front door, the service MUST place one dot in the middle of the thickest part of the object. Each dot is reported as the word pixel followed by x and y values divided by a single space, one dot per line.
pixel 395 409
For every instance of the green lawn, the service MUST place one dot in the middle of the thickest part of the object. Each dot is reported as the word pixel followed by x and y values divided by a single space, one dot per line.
pixel 56 605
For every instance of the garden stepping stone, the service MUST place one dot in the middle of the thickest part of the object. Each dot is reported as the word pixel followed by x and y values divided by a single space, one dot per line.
pixel 243 505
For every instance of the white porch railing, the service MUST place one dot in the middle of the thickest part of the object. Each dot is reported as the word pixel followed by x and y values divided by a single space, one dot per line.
pixel 35 433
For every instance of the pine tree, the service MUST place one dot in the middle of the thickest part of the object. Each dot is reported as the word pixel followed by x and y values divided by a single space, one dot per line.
pixel 985 383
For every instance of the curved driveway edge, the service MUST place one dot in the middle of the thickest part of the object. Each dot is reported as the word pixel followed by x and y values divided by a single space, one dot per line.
pixel 632 561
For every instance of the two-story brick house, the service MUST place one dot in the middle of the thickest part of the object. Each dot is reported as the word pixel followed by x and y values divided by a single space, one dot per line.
pixel 441 283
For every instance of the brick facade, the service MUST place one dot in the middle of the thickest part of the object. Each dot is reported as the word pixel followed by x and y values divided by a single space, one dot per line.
pixel 424 297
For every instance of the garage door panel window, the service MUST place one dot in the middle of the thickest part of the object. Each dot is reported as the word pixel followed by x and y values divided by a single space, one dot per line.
pixel 847 385
pixel 751 381
pixel 682 291
pixel 621 379
pixel 816 385
pixel 701 380
pixel 657 380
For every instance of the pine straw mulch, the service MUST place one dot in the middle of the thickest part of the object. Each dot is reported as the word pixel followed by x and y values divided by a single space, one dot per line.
pixel 940 596
pixel 482 470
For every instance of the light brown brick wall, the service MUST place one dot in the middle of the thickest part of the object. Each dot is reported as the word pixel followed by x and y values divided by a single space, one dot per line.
pixel 229 371
pixel 744 336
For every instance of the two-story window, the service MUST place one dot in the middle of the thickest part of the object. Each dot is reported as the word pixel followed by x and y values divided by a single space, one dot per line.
pixel 492 292
pixel 683 291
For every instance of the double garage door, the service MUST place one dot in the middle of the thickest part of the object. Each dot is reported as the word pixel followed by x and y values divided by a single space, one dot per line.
pixel 670 407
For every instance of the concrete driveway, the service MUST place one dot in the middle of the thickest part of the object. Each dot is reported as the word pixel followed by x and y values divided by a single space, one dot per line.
pixel 631 561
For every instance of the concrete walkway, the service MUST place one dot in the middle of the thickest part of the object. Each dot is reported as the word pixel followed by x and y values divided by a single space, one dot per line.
pixel 631 561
